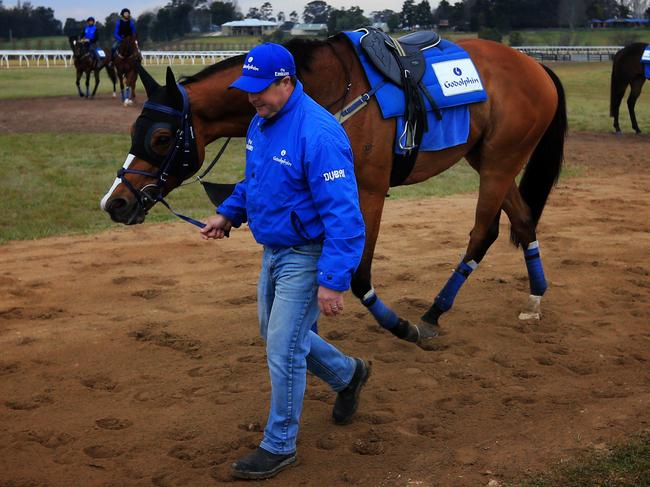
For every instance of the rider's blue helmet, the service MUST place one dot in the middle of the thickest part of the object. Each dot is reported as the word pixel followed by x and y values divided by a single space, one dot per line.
pixel 89 19
pixel 124 10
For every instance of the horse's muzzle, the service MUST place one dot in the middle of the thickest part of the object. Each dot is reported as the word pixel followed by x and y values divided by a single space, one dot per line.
pixel 124 211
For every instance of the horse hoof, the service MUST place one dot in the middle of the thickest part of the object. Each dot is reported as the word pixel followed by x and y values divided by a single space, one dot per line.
pixel 532 310
pixel 427 335
pixel 114 95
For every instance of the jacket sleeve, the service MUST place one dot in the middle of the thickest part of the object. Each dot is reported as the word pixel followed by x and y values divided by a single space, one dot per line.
pixel 330 172
pixel 116 31
pixel 234 207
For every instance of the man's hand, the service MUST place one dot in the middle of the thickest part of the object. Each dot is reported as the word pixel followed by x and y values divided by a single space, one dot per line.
pixel 217 226
pixel 330 302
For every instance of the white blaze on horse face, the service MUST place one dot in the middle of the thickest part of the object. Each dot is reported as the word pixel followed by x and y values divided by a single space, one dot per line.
pixel 127 163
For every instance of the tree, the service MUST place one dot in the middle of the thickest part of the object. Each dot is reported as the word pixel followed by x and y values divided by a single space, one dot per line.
pixel 571 13
pixel 143 25
pixel 443 12
pixel 423 16
pixel 266 11
pixel 281 17
pixel 254 13
pixel 72 27
pixel 316 12
pixel 340 20
pixel 601 9
pixel 293 17
pixel 390 17
pixel 222 12
pixel 408 15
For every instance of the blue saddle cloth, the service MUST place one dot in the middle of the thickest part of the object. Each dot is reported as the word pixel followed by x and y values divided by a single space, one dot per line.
pixel 645 60
pixel 453 93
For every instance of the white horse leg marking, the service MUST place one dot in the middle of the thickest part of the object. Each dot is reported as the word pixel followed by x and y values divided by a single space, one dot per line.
pixel 127 163
pixel 532 310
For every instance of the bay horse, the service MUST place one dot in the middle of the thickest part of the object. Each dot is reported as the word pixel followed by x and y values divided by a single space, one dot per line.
pixel 84 62
pixel 522 123
pixel 627 70
pixel 127 62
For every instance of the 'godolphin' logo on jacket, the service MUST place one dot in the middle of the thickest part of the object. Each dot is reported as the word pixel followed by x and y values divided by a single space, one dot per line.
pixel 282 160
pixel 249 145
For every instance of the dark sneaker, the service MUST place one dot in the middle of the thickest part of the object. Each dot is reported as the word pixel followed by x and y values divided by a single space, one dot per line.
pixel 347 400
pixel 261 464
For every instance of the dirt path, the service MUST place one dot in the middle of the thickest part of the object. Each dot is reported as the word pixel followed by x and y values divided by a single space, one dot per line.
pixel 64 114
pixel 131 358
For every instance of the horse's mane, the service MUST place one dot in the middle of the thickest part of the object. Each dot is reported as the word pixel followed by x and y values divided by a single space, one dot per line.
pixel 302 50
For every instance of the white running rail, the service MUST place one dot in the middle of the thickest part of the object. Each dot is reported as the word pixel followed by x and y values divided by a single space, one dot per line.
pixel 29 58
pixel 39 58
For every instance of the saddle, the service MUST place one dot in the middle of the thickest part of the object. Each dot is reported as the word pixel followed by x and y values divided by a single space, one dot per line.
pixel 402 62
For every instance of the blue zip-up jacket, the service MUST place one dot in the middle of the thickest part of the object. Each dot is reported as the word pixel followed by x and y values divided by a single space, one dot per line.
pixel 300 187
pixel 116 33
pixel 90 33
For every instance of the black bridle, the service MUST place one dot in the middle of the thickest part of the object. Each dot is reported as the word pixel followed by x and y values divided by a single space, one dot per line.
pixel 178 161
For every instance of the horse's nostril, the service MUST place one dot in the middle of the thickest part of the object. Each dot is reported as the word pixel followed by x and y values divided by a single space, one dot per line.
pixel 116 204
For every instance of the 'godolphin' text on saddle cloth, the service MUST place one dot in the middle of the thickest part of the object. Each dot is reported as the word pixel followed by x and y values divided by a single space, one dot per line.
pixel 452 80
pixel 645 60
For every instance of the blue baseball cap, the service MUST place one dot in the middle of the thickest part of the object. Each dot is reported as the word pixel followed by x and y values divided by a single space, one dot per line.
pixel 263 65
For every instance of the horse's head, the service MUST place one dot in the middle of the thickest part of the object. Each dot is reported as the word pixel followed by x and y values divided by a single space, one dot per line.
pixel 75 45
pixel 128 47
pixel 163 152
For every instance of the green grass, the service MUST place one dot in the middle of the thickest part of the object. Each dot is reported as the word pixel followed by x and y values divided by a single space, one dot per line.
pixel 625 465
pixel 587 89
pixel 29 83
pixel 52 184
pixel 582 37
pixel 47 42
pixel 207 43
pixel 461 178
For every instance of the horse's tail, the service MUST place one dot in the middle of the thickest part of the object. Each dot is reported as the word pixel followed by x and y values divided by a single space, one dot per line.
pixel 543 168
pixel 110 69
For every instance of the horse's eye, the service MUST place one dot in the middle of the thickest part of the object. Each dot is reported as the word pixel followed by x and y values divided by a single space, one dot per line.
pixel 163 140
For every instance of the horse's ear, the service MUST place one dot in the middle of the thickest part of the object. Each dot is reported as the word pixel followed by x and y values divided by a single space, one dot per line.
pixel 150 84
pixel 172 89
pixel 171 79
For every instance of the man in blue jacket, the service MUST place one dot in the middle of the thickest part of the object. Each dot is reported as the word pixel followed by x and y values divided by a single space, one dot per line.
pixel 123 27
pixel 301 203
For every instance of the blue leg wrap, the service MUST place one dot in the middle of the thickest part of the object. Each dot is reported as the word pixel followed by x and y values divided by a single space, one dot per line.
pixel 535 270
pixel 445 299
pixel 385 316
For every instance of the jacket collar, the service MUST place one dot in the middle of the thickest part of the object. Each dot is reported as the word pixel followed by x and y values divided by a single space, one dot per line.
pixel 288 107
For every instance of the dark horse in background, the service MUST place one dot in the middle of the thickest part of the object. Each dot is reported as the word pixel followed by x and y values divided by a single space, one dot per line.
pixel 627 70
pixel 84 62
pixel 127 62
pixel 522 124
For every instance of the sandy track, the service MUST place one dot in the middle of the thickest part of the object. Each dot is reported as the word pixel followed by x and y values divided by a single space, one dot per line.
pixel 131 358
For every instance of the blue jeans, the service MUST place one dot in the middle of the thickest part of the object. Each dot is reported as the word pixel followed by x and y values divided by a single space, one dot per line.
pixel 288 307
